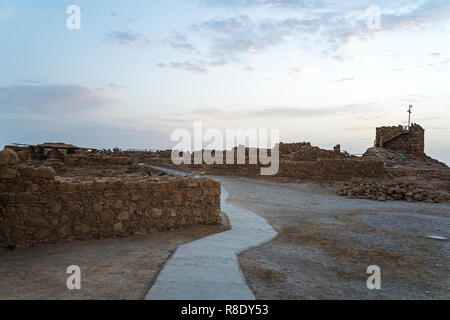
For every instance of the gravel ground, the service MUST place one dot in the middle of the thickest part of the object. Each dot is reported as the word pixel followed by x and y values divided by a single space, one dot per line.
pixel 120 268
pixel 326 243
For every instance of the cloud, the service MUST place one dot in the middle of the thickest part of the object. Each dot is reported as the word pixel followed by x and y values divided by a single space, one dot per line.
pixel 91 133
pixel 357 129
pixel 230 36
pixel 335 24
pixel 445 62
pixel 280 112
pixel 180 43
pixel 183 46
pixel 30 81
pixel 438 128
pixel 265 3
pixel 300 72
pixel 129 37
pixel 5 10
pixel 115 87
pixel 196 66
pixel 114 15
pixel 415 98
pixel 52 98
pixel 119 18
pixel 345 80
pixel 425 13
pixel 346 59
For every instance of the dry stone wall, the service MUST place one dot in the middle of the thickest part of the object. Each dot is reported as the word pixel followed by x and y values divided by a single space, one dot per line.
pixel 322 169
pixel 97 160
pixel 384 134
pixel 331 169
pixel 298 161
pixel 37 207
pixel 310 153
pixel 398 139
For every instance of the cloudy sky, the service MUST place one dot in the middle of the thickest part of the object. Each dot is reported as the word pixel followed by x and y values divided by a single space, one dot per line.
pixel 320 71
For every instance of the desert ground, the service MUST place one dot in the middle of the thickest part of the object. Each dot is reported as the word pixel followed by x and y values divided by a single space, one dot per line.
pixel 120 268
pixel 326 243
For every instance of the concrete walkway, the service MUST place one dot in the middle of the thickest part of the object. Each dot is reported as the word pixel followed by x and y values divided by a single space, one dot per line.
pixel 208 269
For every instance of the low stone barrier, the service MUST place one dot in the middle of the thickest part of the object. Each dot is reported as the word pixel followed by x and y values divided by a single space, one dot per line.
pixel 331 169
pixel 36 207
pixel 97 160
pixel 322 169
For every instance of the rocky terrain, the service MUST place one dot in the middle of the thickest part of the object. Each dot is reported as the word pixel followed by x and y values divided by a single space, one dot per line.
pixel 412 178
pixel 385 191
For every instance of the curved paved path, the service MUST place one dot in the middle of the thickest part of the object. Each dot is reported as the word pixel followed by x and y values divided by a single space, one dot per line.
pixel 208 269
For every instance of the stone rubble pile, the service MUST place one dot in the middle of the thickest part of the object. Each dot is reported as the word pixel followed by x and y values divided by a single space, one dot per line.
pixel 382 191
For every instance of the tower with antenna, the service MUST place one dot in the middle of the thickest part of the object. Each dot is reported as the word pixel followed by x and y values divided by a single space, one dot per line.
pixel 406 140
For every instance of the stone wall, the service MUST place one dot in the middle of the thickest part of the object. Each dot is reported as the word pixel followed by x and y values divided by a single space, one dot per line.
pixel 412 142
pixel 97 160
pixel 322 169
pixel 286 148
pixel 297 161
pixel 309 153
pixel 37 207
pixel 398 139
pixel 331 169
pixel 384 134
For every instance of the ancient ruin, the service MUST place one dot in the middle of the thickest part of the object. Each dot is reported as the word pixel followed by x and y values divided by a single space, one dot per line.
pixel 37 206
pixel 410 174
pixel 59 192
pixel 46 151
pixel 410 140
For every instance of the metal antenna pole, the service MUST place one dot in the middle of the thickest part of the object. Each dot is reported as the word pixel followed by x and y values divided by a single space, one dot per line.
pixel 409 117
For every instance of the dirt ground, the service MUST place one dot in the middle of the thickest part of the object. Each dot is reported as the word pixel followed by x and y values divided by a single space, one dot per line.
pixel 120 268
pixel 326 243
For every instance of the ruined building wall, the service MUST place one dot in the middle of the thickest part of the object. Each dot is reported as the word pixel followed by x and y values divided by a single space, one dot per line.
pixel 314 154
pixel 401 140
pixel 384 134
pixel 297 161
pixel 286 148
pixel 331 169
pixel 96 160
pixel 322 169
pixel 36 207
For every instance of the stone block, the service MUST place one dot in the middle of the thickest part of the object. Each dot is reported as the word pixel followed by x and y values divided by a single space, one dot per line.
pixel 157 213
pixel 98 186
pixel 8 156
pixel 8 173
pixel 124 215
pixel 46 172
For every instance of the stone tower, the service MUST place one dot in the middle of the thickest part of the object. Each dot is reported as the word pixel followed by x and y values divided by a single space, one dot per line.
pixel 400 139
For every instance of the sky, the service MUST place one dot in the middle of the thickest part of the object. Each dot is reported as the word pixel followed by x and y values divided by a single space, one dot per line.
pixel 328 72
